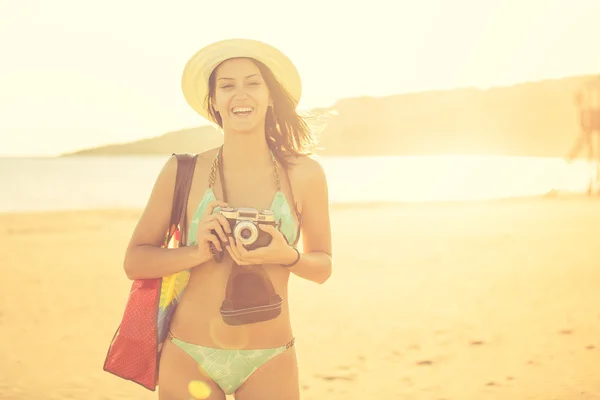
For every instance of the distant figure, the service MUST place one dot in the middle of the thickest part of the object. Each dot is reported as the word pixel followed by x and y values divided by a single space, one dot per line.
pixel 587 100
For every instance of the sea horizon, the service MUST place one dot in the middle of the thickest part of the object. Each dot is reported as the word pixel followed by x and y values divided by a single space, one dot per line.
pixel 125 181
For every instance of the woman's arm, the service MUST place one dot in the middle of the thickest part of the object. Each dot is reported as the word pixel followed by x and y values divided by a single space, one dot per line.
pixel 315 263
pixel 144 257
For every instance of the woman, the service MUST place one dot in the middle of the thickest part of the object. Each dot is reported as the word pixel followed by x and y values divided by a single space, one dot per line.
pixel 251 91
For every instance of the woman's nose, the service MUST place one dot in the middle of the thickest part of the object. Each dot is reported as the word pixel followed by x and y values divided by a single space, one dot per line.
pixel 240 91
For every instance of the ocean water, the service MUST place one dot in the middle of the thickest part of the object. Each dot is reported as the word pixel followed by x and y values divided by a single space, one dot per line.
pixel 40 184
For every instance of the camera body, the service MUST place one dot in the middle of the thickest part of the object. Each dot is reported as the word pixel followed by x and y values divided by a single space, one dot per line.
pixel 244 224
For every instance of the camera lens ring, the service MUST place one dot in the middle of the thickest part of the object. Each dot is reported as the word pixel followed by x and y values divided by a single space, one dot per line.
pixel 243 226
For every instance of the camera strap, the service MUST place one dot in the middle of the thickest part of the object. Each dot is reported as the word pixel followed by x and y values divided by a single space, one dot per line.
pixel 250 296
pixel 218 166
pixel 219 162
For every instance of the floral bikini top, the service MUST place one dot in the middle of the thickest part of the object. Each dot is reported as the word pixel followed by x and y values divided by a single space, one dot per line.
pixel 279 206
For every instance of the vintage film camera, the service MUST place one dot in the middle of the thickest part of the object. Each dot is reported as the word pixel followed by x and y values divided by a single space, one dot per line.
pixel 244 225
pixel 250 296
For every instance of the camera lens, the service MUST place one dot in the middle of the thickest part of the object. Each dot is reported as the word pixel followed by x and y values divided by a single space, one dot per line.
pixel 245 233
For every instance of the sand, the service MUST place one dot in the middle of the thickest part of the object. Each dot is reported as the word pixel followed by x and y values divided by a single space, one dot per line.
pixel 490 300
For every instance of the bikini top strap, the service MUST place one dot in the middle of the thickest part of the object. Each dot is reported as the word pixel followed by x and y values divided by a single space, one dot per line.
pixel 276 171
pixel 212 176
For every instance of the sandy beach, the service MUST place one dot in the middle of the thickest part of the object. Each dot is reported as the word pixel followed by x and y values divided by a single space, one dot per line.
pixel 487 300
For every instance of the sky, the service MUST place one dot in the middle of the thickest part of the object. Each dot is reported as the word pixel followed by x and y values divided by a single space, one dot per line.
pixel 76 74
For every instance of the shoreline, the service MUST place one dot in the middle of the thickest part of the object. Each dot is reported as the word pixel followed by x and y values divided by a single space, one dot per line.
pixel 552 195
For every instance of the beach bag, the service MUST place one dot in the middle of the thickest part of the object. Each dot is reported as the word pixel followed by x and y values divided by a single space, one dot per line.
pixel 134 351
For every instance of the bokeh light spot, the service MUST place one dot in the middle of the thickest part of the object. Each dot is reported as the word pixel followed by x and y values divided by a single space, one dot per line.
pixel 199 390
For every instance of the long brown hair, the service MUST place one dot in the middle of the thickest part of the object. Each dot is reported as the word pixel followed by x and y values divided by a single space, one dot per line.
pixel 287 132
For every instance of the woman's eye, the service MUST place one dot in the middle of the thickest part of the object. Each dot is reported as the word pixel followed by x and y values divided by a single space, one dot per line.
pixel 226 86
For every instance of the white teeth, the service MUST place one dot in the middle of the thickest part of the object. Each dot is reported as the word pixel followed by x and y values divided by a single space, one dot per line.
pixel 242 109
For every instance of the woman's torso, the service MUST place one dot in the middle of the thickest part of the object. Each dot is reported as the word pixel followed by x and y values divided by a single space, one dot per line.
pixel 197 318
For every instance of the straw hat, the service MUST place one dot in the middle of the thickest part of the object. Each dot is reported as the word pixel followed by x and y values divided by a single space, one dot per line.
pixel 194 81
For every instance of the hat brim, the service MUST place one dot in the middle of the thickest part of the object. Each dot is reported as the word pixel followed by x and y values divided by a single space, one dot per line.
pixel 198 69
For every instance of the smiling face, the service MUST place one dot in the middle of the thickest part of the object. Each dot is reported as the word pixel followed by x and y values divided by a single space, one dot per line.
pixel 239 95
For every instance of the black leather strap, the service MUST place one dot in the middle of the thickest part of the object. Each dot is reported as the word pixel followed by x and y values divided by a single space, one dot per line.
pixel 221 174
pixel 186 164
pixel 287 176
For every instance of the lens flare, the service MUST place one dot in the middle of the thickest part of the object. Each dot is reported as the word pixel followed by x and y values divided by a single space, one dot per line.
pixel 199 390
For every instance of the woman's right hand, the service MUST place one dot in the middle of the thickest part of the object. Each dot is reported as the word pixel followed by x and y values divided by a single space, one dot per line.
pixel 212 228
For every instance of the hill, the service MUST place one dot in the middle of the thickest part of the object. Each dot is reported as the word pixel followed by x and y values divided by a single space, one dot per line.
pixel 527 119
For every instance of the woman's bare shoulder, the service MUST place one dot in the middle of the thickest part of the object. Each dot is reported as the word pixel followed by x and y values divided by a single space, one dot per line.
pixel 306 168
pixel 206 158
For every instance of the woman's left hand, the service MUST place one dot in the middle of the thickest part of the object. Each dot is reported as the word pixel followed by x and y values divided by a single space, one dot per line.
pixel 277 252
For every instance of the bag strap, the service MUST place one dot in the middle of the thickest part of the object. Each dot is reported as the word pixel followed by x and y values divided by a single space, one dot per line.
pixel 186 164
